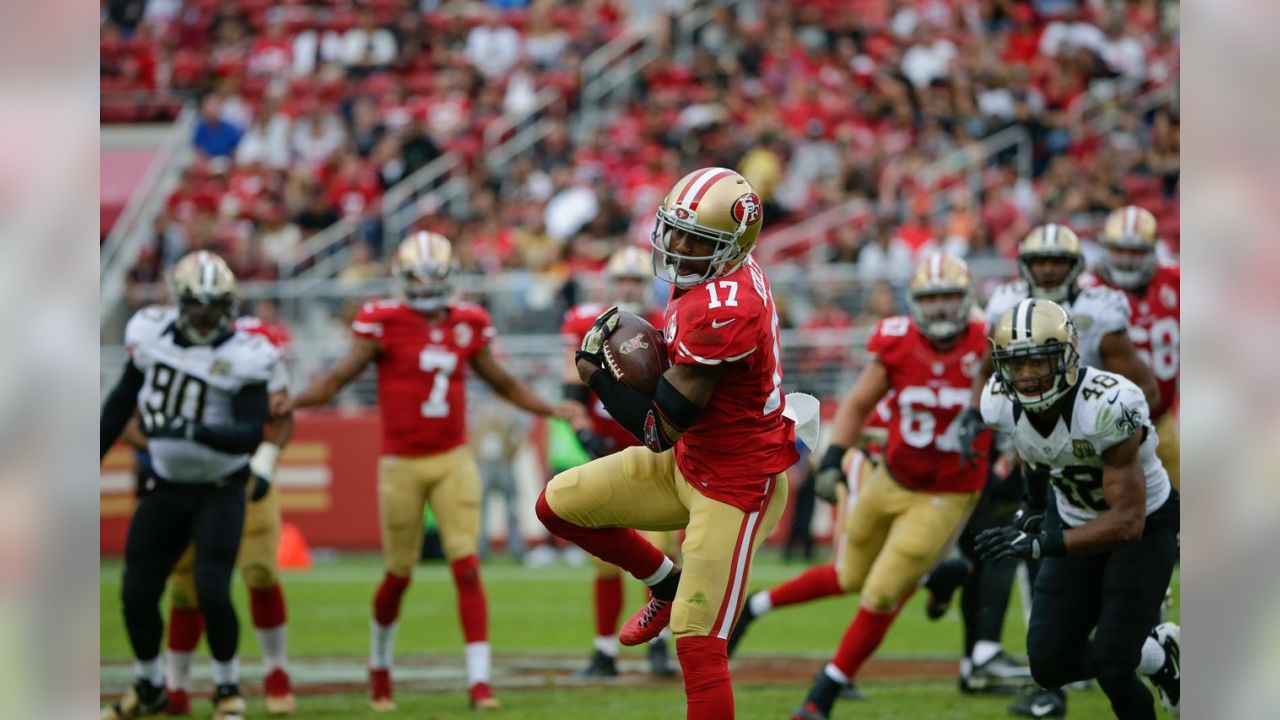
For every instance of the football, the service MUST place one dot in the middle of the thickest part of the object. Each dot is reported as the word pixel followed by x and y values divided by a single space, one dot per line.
pixel 636 354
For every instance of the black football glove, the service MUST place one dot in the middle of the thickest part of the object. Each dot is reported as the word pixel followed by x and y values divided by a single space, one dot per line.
pixel 1008 542
pixel 970 425
pixel 258 487
pixel 829 475
pixel 1027 520
pixel 156 425
pixel 596 446
pixel 592 349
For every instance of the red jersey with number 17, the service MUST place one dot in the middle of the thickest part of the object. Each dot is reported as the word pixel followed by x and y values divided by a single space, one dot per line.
pixel 422 394
pixel 1155 329
pixel 930 389
pixel 577 322
pixel 740 440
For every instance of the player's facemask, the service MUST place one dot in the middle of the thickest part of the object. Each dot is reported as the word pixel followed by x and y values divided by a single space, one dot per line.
pixel 1036 335
pixel 426 290
pixel 940 316
pixel 202 318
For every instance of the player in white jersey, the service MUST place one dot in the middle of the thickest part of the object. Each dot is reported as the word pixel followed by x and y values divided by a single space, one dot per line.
pixel 200 387
pixel 1108 545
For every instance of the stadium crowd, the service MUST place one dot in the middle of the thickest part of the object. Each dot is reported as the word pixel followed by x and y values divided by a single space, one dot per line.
pixel 309 112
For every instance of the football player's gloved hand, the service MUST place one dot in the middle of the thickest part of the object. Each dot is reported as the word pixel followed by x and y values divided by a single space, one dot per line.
pixel 259 487
pixel 1010 542
pixel 829 475
pixel 970 425
pixel 1027 520
pixel 596 445
pixel 262 466
pixel 592 349
pixel 157 425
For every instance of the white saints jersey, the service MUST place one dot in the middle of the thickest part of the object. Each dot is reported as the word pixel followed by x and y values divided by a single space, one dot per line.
pixel 1096 311
pixel 198 383
pixel 1103 410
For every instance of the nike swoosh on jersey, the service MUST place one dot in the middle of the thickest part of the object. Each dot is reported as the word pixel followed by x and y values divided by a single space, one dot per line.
pixel 1112 400
pixel 717 324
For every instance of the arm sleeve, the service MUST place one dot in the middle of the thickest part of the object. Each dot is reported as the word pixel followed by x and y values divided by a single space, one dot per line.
pixel 118 407
pixel 368 322
pixel 250 408
pixel 994 406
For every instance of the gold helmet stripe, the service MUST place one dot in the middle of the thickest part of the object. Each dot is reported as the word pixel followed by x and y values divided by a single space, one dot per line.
pixel 935 267
pixel 208 273
pixel 1051 234
pixel 699 186
pixel 424 242
pixel 1022 319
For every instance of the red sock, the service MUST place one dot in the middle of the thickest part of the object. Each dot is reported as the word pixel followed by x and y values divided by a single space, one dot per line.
pixel 473 608
pixel 621 546
pixel 266 605
pixel 863 636
pixel 608 605
pixel 814 583
pixel 185 626
pixel 708 692
pixel 386 602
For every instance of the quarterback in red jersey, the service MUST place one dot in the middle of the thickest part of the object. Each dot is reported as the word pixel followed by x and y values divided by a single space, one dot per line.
pixel 912 504
pixel 629 278
pixel 422 345
pixel 717 437
pixel 1154 292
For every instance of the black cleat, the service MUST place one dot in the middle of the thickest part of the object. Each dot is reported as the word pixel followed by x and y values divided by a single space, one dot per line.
pixel 1000 674
pixel 141 700
pixel 601 666
pixel 659 659
pixel 942 584
pixel 1041 704
pixel 851 692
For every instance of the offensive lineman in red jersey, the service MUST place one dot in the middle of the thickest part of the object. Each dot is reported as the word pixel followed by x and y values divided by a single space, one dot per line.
pixel 629 276
pixel 911 506
pixel 422 345
pixel 1154 293
pixel 718 436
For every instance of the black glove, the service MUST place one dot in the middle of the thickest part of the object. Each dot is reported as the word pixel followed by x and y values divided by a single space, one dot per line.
pixel 157 425
pixel 259 487
pixel 592 349
pixel 829 475
pixel 970 425
pixel 596 446
pixel 1009 542
pixel 1027 520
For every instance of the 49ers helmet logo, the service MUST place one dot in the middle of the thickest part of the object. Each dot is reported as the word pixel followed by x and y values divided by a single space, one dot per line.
pixel 747 206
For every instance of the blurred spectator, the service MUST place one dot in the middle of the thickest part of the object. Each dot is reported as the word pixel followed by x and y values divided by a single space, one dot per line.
pixel 544 43
pixel 361 266
pixel 493 48
pixel 367 47
pixel 267 140
pixel 317 215
pixel 885 258
pixel 929 58
pixel 316 135
pixel 572 206
pixel 215 137
pixel 366 127
pixel 880 304
pixel 279 237
pixel 272 53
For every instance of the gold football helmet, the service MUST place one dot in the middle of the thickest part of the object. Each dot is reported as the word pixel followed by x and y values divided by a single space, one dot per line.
pixel 424 261
pixel 940 296
pixel 1129 237
pixel 715 204
pixel 1036 353
pixel 628 276
pixel 205 290
pixel 1055 242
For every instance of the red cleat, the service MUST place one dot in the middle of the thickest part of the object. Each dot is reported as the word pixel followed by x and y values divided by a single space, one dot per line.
pixel 646 624
pixel 380 690
pixel 279 692
pixel 179 703
pixel 482 697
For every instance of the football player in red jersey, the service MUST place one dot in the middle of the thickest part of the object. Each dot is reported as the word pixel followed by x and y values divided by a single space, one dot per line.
pixel 629 276
pixel 422 344
pixel 910 506
pixel 717 437
pixel 1154 292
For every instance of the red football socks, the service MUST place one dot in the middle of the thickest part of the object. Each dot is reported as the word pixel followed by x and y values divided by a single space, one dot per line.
pixel 814 583
pixel 185 626
pixel 386 602
pixel 608 605
pixel 473 607
pixel 266 605
pixel 861 639
pixel 708 692
pixel 623 547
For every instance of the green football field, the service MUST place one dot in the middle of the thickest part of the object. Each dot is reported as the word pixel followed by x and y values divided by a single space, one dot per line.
pixel 541 628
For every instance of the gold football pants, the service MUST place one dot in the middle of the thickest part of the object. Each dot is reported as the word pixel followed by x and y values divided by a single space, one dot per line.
pixel 448 482
pixel 894 536
pixel 257 558
pixel 1167 450
pixel 639 489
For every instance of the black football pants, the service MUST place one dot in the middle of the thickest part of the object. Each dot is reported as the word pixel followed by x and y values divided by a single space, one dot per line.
pixel 1116 597
pixel 168 518
pixel 984 597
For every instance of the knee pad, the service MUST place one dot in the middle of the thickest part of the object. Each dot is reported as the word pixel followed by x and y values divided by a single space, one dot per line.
pixel 259 575
pixel 466 571
pixel 553 523
pixel 1047 670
